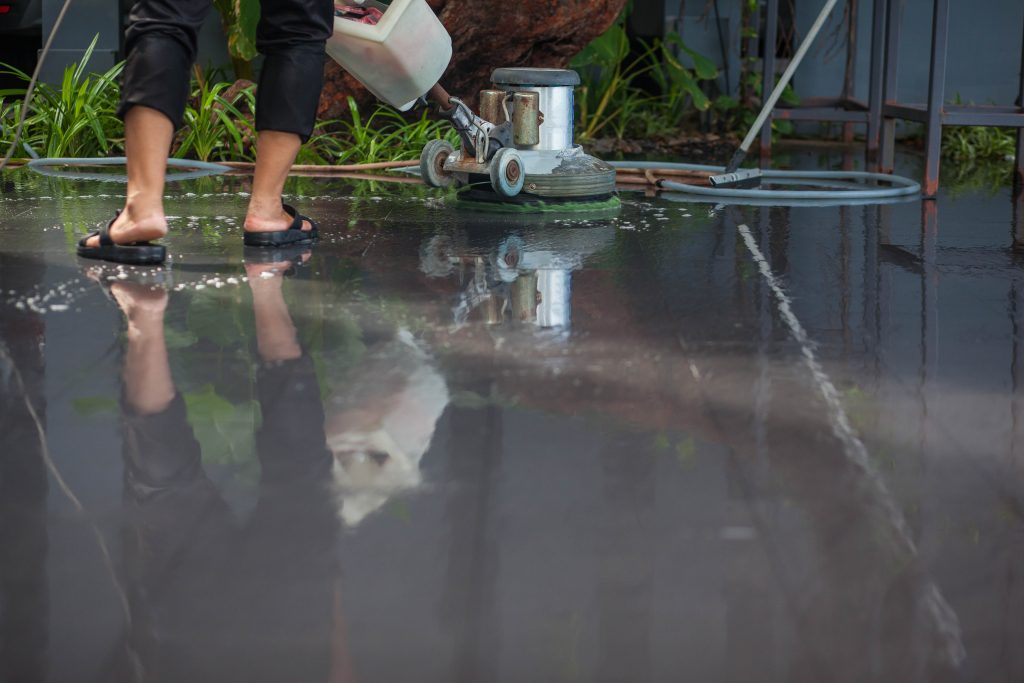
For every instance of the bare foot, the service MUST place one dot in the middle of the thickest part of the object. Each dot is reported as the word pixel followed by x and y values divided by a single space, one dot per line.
pixel 130 227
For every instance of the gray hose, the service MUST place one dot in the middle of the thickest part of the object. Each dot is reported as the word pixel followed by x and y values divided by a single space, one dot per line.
pixel 44 167
pixel 843 186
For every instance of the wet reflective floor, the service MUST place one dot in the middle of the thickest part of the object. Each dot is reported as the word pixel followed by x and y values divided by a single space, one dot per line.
pixel 677 443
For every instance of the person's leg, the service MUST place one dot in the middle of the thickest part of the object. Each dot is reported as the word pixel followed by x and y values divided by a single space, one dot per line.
pixel 275 154
pixel 161 44
pixel 292 35
pixel 147 141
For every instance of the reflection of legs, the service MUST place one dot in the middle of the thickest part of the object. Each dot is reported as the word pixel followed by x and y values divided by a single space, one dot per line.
pixel 290 538
pixel 291 35
pixel 291 441
pixel 276 339
pixel 178 529
pixel 160 449
pixel 148 387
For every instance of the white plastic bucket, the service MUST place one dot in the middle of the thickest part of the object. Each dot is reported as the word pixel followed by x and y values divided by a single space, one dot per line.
pixel 398 59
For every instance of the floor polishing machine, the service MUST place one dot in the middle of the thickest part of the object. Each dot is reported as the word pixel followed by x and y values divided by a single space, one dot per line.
pixel 520 148
pixel 517 152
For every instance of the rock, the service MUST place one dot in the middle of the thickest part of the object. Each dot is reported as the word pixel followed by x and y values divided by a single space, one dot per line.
pixel 487 34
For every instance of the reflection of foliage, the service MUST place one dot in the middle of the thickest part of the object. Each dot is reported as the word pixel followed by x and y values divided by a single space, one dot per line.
pixel 211 318
pixel 464 398
pixel 224 429
pixel 981 158
pixel 336 344
pixel 861 409
pixel 214 367
pixel 976 178
pixel 683 449
pixel 686 450
pixel 94 405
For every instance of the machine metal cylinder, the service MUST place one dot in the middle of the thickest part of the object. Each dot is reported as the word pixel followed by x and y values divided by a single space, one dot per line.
pixel 556 105
pixel 524 298
pixel 526 119
pixel 554 88
pixel 492 106
pixel 555 307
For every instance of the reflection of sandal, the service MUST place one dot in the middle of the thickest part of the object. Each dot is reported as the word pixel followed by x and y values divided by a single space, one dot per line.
pixel 135 253
pixel 106 284
pixel 282 238
pixel 290 255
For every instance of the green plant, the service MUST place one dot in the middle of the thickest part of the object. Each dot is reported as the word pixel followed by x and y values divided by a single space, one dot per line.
pixel 214 128
pixel 610 99
pixel 10 113
pixel 238 19
pixel 76 119
pixel 730 116
pixel 967 144
pixel 384 135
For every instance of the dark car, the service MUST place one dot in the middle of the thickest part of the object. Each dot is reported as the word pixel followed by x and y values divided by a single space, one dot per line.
pixel 19 18
pixel 21 30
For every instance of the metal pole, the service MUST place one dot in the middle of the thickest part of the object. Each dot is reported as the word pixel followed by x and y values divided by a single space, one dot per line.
pixel 875 84
pixel 771 36
pixel 936 99
pixel 1019 184
pixel 894 12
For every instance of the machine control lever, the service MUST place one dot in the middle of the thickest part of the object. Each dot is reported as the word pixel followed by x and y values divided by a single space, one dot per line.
pixel 480 138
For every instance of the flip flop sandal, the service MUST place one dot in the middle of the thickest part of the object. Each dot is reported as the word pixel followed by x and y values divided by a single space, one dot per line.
pixel 283 238
pixel 134 253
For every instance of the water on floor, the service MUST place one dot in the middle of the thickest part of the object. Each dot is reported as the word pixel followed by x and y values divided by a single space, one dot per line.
pixel 676 443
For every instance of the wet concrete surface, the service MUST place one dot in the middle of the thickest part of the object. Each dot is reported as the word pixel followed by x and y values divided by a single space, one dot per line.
pixel 676 443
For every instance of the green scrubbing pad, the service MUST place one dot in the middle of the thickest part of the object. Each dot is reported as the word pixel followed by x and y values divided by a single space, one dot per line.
pixel 606 204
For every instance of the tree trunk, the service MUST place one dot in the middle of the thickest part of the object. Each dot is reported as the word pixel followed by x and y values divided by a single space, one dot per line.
pixel 487 34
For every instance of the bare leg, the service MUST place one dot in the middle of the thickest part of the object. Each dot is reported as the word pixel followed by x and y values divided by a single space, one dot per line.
pixel 275 154
pixel 148 386
pixel 276 338
pixel 147 142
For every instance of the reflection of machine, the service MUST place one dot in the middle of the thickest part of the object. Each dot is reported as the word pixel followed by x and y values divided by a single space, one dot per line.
pixel 525 279
pixel 520 148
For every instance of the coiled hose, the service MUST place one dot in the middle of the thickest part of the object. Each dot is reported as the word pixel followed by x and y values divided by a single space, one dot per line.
pixel 836 187
pixel 46 167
